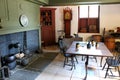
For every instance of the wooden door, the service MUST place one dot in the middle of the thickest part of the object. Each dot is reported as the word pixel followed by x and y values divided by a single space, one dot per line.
pixel 47 20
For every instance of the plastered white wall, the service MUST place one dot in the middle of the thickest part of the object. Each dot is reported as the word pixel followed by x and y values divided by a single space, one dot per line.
pixel 109 19
pixel 110 16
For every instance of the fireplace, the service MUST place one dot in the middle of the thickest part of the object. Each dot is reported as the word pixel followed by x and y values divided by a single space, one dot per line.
pixel 32 42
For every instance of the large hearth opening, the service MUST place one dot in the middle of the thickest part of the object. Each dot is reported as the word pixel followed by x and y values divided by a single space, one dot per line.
pixel 17 48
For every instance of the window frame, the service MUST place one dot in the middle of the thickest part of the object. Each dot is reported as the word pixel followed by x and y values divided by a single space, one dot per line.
pixel 84 23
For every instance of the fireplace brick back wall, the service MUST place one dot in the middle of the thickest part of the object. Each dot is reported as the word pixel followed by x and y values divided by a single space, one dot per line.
pixel 32 39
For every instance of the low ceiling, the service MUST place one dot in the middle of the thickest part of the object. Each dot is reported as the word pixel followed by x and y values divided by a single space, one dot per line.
pixel 78 2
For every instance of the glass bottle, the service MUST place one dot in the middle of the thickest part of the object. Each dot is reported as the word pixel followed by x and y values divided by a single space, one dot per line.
pixel 92 42
pixel 96 45
pixel 88 45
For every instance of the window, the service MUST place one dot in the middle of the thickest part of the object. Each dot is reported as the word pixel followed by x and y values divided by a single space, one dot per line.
pixel 93 11
pixel 88 19
pixel 83 11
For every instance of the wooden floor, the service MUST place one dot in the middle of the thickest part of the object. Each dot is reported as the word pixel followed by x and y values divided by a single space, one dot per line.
pixel 55 71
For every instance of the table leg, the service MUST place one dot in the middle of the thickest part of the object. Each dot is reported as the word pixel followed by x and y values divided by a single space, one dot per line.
pixel 72 61
pixel 101 61
pixel 86 69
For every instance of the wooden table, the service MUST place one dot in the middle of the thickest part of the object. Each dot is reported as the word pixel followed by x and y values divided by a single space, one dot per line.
pixel 100 51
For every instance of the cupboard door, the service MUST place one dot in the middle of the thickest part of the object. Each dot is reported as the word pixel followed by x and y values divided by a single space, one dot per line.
pixel 47 20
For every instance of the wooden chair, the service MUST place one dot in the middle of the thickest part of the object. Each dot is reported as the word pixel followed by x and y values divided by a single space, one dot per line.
pixel 63 49
pixel 79 39
pixel 98 38
pixel 112 62
pixel 110 44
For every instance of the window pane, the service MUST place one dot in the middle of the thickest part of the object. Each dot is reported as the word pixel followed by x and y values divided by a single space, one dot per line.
pixel 93 11
pixel 83 11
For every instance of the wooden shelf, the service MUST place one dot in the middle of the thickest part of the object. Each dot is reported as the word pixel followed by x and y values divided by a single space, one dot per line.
pixel 116 35
pixel 46 18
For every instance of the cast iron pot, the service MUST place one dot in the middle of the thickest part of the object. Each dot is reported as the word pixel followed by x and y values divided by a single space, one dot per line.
pixel 12 65
pixel 24 61
pixel 10 58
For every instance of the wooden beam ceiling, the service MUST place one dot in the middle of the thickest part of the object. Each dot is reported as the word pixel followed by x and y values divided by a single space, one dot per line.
pixel 78 2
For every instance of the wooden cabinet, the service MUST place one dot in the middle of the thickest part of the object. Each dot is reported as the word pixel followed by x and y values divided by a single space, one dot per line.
pixel 110 43
pixel 46 17
pixel 47 21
